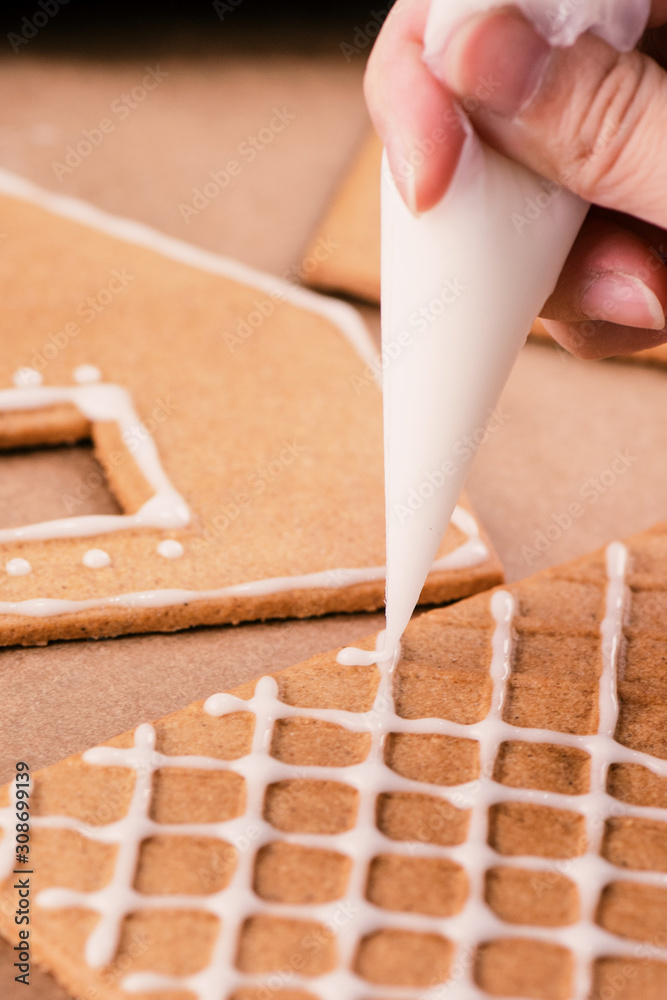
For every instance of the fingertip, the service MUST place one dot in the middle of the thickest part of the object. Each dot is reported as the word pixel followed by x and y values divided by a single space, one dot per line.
pixel 423 134
pixel 623 299
pixel 437 150
pixel 595 340
pixel 414 115
pixel 613 274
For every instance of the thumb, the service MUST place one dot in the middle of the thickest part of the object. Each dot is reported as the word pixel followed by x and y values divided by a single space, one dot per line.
pixel 587 116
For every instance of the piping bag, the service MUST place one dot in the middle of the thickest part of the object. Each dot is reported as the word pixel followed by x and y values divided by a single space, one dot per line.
pixel 461 286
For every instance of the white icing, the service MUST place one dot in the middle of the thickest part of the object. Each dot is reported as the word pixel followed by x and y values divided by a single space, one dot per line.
pixel 470 553
pixel 26 376
pixel 18 567
pixel 169 548
pixel 96 559
pixel 351 656
pixel 354 916
pixel 342 315
pixel 100 402
pixel 440 389
pixel 111 402
pixel 84 374
pixel 461 286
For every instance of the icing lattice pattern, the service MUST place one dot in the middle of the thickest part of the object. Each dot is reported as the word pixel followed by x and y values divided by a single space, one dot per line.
pixel 355 918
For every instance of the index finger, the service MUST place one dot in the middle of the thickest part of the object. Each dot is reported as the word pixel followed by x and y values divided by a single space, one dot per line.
pixel 414 114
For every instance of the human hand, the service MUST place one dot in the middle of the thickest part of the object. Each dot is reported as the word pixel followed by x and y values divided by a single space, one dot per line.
pixel 587 117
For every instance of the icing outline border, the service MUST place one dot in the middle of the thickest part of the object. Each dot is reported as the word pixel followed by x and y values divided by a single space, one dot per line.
pixel 102 401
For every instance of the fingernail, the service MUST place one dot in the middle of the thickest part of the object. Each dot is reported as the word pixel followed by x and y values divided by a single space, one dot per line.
pixel 403 172
pixel 499 59
pixel 623 299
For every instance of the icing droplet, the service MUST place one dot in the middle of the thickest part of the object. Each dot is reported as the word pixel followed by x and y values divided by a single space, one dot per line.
pixel 170 549
pixel 353 657
pixel 18 567
pixel 24 377
pixel 86 373
pixel 96 559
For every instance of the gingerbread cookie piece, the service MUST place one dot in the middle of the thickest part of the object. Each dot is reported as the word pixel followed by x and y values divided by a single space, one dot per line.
pixel 344 255
pixel 485 817
pixel 225 407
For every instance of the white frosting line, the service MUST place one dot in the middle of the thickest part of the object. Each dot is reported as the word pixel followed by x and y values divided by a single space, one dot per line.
pixel 84 374
pixel 96 559
pixel 26 376
pixel 337 312
pixel 18 567
pixel 354 916
pixel 167 509
pixel 169 548
pixel 471 553
pixel 99 402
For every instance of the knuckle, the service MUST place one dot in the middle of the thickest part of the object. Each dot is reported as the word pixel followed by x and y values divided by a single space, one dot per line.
pixel 598 143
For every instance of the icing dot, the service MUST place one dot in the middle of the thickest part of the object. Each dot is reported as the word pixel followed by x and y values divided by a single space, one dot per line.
pixel 23 377
pixel 18 567
pixel 87 373
pixel 96 559
pixel 170 549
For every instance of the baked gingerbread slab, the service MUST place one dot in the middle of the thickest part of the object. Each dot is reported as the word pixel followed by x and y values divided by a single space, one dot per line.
pixel 350 229
pixel 234 417
pixel 487 817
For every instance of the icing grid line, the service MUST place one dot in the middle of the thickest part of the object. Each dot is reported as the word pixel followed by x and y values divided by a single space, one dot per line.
pixel 354 916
